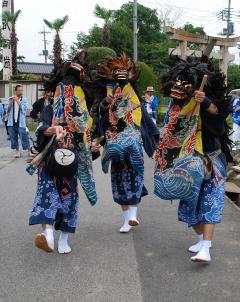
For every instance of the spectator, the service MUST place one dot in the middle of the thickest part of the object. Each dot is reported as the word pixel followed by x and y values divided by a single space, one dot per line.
pixel 16 110
pixel 5 117
pixel 39 105
pixel 1 113
pixel 151 102
pixel 236 122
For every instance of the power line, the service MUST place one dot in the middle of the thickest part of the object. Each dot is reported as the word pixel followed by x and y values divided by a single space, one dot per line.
pixel 157 2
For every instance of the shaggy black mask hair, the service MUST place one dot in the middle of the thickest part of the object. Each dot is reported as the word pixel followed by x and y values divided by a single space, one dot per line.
pixel 63 73
pixel 192 71
pixel 69 76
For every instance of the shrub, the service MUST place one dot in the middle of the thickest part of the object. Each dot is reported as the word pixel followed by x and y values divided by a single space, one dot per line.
pixel 147 78
pixel 98 55
pixel 22 77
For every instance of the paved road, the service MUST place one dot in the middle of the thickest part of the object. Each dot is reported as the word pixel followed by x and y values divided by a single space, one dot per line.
pixel 6 155
pixel 150 264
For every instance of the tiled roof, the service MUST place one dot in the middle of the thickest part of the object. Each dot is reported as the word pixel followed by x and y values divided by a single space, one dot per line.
pixel 34 68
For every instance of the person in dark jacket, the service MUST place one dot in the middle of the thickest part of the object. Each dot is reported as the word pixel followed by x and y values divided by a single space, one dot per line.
pixel 5 117
pixel 39 105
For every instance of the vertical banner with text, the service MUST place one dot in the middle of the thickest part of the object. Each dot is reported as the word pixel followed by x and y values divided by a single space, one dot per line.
pixel 6 34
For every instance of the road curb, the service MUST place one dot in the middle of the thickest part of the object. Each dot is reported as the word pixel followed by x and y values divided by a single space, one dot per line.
pixel 232 203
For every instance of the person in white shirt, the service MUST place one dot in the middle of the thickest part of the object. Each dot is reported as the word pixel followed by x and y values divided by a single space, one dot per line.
pixel 16 110
pixel 151 103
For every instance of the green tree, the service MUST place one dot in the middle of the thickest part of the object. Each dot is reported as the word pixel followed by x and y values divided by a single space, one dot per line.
pixel 120 35
pixel 156 53
pixel 12 18
pixel 148 22
pixel 233 77
pixel 153 43
pixel 57 25
pixel 194 30
pixel 106 15
pixel 121 38
pixel 92 39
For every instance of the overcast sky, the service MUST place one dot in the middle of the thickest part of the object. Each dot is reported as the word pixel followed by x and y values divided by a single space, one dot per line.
pixel 81 18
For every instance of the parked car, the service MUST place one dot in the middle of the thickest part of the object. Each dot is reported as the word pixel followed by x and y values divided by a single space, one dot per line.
pixel 235 92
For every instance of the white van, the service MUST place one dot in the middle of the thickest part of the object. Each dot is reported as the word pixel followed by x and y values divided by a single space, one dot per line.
pixel 235 92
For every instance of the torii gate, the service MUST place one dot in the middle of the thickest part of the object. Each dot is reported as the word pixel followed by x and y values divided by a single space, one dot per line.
pixel 206 43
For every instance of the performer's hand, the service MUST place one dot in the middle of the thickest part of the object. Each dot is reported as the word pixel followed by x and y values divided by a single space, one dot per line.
pixel 60 133
pixel 95 147
pixel 199 96
pixel 109 99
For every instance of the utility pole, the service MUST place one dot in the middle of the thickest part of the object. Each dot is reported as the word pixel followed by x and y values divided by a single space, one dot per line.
pixel 228 18
pixel 45 51
pixel 226 15
pixel 12 6
pixel 135 31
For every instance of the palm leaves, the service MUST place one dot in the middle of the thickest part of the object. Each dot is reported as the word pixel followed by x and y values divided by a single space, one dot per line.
pixel 103 13
pixel 106 15
pixel 21 59
pixel 12 18
pixel 57 25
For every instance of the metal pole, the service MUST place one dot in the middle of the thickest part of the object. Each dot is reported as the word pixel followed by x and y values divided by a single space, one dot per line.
pixel 12 6
pixel 45 51
pixel 135 31
pixel 45 45
pixel 228 18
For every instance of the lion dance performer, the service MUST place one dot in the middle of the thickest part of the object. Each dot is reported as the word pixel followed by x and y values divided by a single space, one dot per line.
pixel 190 165
pixel 120 120
pixel 56 200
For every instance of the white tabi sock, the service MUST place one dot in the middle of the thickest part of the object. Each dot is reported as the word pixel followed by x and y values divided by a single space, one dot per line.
pixel 63 246
pixel 204 254
pixel 48 232
pixel 126 227
pixel 133 216
pixel 196 247
pixel 207 244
